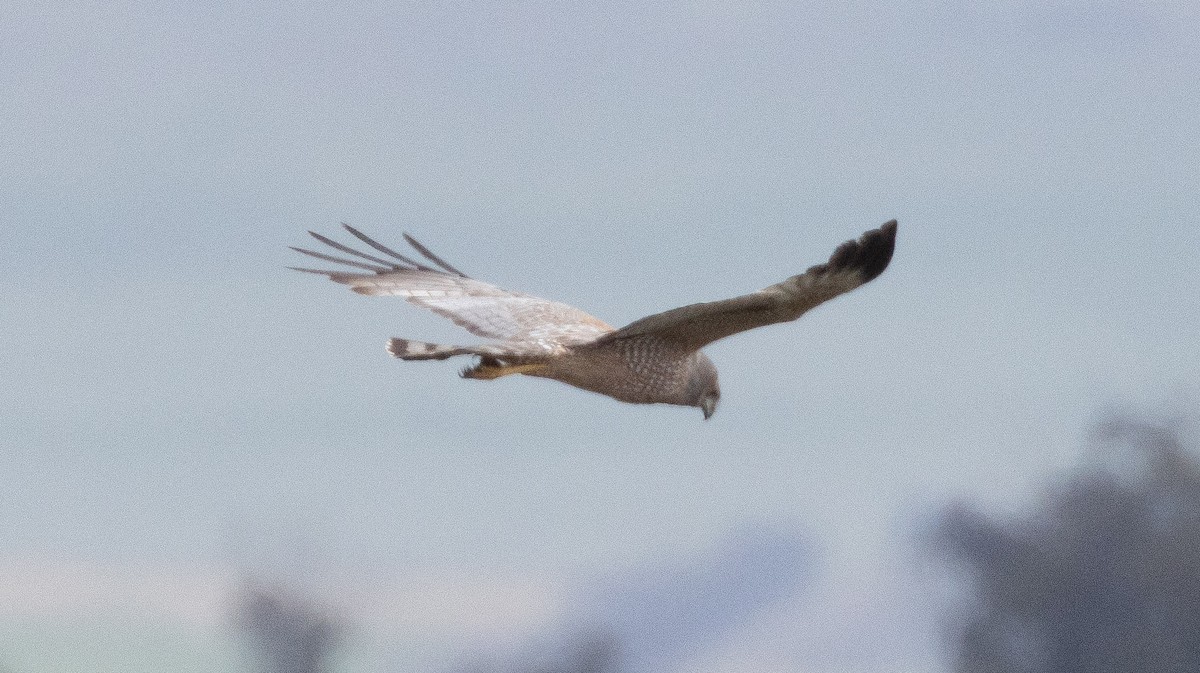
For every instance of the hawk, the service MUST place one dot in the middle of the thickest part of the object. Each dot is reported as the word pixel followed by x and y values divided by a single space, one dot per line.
pixel 656 359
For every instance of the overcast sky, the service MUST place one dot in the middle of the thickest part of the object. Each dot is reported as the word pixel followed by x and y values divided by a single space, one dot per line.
pixel 178 403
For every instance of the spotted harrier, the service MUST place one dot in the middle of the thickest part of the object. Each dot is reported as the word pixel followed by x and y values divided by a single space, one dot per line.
pixel 656 359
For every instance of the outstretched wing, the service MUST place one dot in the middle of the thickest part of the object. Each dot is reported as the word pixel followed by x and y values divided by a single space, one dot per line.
pixel 481 308
pixel 852 264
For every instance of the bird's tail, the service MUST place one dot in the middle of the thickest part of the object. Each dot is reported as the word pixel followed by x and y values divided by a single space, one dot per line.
pixel 407 349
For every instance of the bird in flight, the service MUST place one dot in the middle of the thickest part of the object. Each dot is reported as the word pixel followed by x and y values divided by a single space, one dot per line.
pixel 656 359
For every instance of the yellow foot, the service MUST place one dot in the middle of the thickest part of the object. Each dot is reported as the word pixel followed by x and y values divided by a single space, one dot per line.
pixel 485 371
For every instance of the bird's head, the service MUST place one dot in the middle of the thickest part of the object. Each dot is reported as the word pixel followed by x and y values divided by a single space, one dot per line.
pixel 703 389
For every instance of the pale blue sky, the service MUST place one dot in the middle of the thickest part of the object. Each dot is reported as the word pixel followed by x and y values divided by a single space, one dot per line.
pixel 176 395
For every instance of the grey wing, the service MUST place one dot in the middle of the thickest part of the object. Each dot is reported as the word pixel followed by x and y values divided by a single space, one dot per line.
pixel 479 307
pixel 851 265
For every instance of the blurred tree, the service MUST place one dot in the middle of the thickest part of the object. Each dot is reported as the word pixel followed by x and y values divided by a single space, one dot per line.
pixel 591 652
pixel 291 633
pixel 1103 577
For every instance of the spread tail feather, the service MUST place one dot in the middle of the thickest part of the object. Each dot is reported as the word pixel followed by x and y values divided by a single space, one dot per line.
pixel 407 349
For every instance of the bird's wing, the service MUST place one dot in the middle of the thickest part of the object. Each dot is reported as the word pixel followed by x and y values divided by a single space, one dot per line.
pixel 852 264
pixel 481 308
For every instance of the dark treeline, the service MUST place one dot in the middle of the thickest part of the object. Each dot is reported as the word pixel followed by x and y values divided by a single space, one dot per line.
pixel 289 632
pixel 1103 576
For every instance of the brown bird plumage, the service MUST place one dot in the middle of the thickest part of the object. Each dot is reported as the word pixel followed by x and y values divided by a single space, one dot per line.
pixel 656 359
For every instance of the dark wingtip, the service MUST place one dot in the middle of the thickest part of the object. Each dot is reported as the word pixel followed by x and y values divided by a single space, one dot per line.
pixel 878 249
pixel 428 254
pixel 869 255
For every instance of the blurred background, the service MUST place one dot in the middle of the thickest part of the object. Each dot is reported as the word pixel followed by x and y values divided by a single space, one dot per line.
pixel 982 461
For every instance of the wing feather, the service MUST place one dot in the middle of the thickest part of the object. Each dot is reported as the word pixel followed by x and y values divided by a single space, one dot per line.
pixel 852 264
pixel 340 260
pixel 384 249
pixel 428 254
pixel 481 308
pixel 351 251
